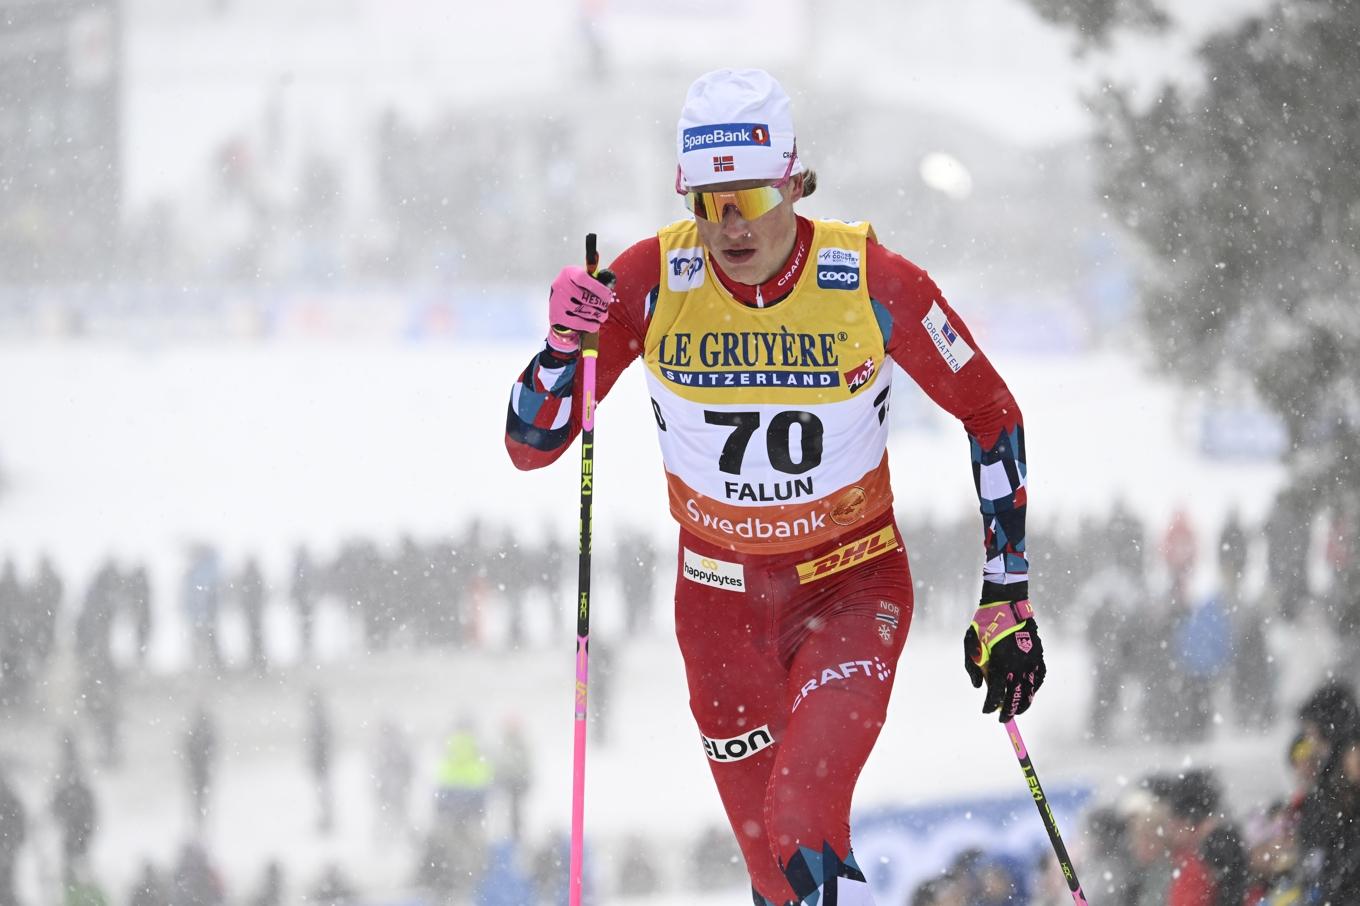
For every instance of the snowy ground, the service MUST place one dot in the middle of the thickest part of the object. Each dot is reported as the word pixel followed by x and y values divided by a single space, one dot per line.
pixel 139 451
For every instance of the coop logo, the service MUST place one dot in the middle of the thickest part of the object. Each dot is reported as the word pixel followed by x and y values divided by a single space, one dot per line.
pixel 684 269
pixel 714 573
pixel 738 747
pixel 725 135
pixel 838 673
pixel 856 378
pixel 952 348
pixel 838 269
pixel 879 543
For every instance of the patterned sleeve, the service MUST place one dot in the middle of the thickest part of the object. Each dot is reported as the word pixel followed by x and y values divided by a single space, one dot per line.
pixel 929 341
pixel 544 414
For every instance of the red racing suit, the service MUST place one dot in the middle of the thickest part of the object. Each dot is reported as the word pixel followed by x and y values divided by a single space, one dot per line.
pixel 793 593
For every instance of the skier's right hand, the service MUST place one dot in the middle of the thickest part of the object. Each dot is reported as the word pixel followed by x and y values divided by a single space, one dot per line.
pixel 577 303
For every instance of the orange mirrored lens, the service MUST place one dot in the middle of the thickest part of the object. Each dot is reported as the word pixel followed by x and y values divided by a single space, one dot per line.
pixel 750 203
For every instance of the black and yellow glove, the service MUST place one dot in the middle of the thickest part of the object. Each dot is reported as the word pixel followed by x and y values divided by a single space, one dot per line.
pixel 1002 648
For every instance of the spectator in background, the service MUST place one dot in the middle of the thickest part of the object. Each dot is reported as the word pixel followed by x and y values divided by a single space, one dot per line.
pixel 393 771
pixel 45 597
pixel 1288 531
pixel 1327 718
pixel 80 889
pixel 201 601
pixel 514 774
pixel 1272 859
pixel 553 580
pixel 1197 810
pixel 1232 547
pixel 601 697
pixel 464 777
pixel 196 882
pixel 74 808
pixel 637 570
pixel 332 888
pixel 250 595
pixel 1191 882
pixel 13 831
pixel 15 669
pixel 503 883
pixel 1179 553
pixel 1340 875
pixel 200 756
pixel 1150 860
pixel 638 874
pixel 1203 641
pixel 304 593
pixel 464 780
pixel 1106 871
pixel 507 574
pixel 137 592
pixel 149 890
pixel 271 888
pixel 97 676
pixel 320 754
pixel 1113 643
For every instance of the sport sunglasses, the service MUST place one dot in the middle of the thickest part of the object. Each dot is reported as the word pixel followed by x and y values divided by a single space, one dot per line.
pixel 750 203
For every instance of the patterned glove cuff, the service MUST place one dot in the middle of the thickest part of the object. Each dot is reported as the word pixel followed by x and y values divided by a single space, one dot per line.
pixel 993 622
pixel 563 342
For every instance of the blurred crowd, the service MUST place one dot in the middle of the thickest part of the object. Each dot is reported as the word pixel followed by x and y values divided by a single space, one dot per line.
pixel 1175 645
pixel 1173 840
pixel 443 593
pixel 1177 615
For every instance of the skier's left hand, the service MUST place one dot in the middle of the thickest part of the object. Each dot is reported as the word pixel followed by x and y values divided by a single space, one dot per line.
pixel 1002 648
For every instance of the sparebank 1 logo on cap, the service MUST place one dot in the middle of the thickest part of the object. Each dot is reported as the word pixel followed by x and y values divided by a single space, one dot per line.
pixel 684 269
pixel 725 135
pixel 838 269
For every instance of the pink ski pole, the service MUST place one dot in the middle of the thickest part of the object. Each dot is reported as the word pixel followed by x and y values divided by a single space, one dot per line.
pixel 1045 812
pixel 590 350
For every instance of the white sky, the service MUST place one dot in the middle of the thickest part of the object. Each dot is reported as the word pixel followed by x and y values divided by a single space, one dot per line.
pixel 193 80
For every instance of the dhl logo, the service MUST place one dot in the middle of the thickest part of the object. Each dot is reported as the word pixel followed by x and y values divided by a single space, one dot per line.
pixel 880 542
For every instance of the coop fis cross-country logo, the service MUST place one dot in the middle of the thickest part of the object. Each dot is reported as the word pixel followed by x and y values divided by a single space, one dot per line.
pixel 715 573
pixel 684 269
pixel 738 747
pixel 725 135
pixel 838 269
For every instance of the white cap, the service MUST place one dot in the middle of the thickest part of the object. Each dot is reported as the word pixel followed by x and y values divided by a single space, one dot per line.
pixel 736 125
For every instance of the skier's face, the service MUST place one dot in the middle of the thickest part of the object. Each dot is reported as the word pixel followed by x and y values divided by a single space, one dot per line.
pixel 752 251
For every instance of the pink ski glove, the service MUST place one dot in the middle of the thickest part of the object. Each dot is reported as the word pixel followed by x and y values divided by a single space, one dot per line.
pixel 577 303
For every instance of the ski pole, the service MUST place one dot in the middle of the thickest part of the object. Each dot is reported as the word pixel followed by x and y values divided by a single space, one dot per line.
pixel 590 350
pixel 1046 813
